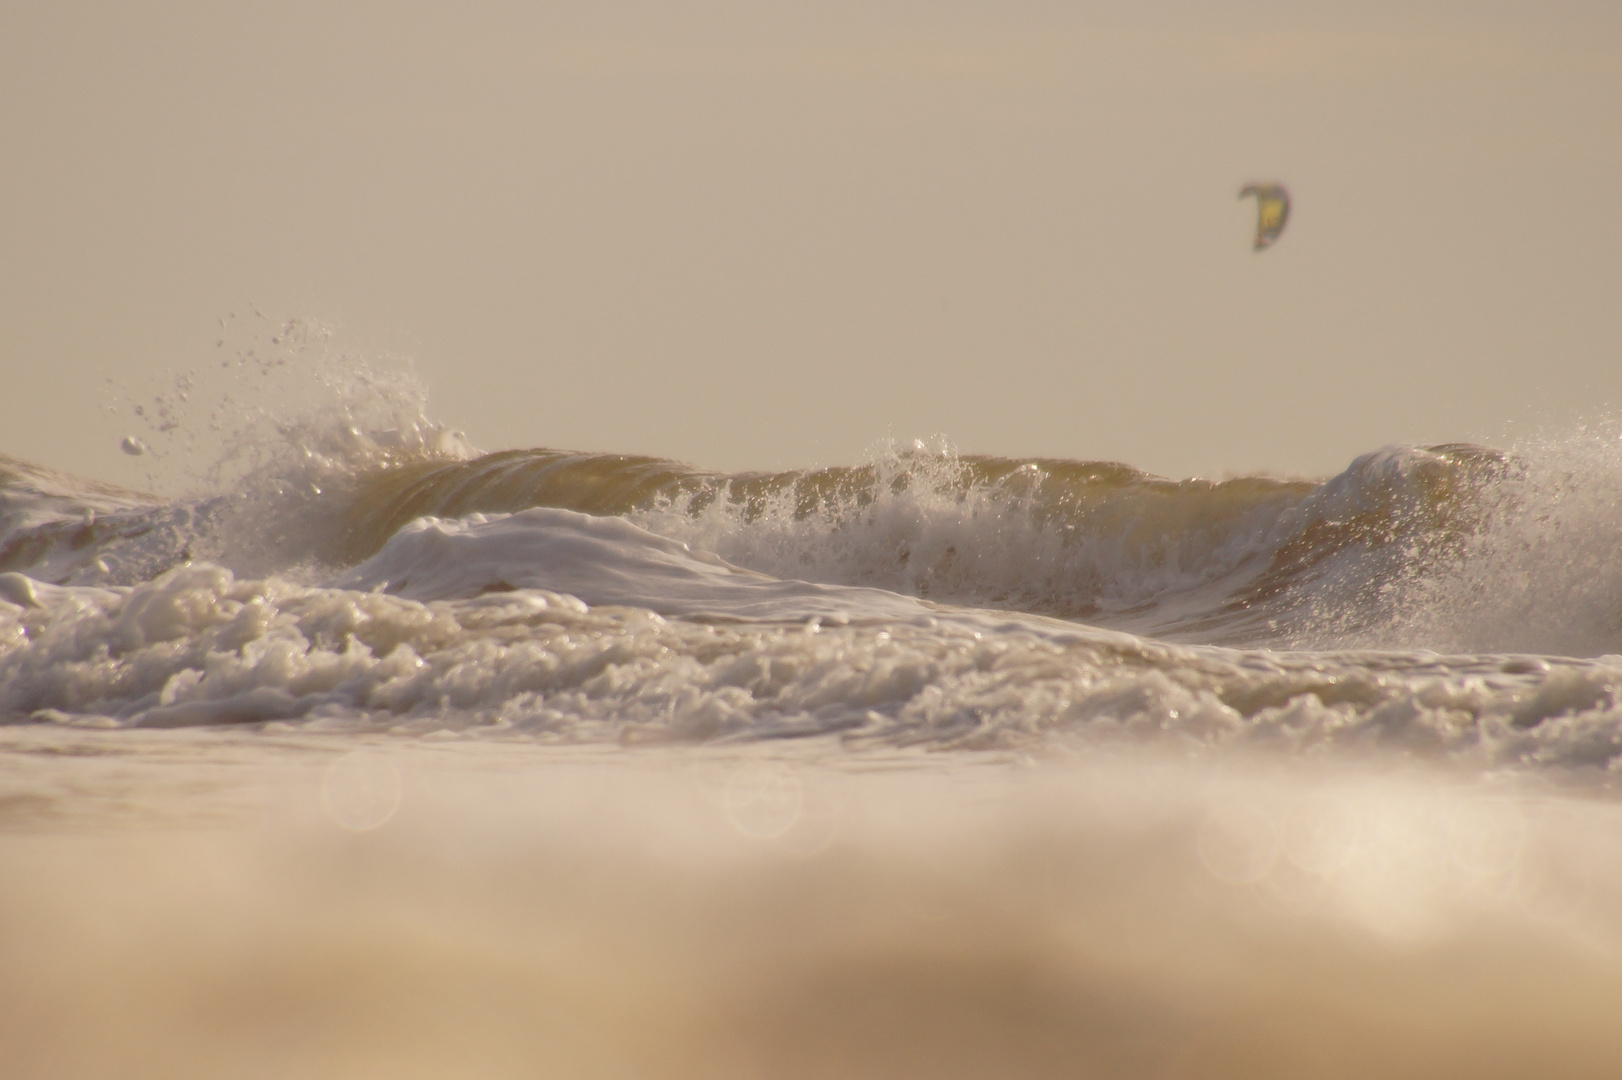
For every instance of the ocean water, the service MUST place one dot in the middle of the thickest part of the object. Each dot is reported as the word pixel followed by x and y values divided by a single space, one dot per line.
pixel 366 753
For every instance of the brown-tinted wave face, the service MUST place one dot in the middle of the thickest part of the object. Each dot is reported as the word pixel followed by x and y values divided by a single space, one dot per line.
pixel 1087 540
pixel 1064 493
pixel 1407 547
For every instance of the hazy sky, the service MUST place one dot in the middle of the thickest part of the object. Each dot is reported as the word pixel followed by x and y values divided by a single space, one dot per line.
pixel 753 235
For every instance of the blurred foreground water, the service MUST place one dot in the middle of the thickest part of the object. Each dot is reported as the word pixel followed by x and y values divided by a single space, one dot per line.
pixel 201 904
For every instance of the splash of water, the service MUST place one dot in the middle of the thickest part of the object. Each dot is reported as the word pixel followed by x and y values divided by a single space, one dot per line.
pixel 1534 571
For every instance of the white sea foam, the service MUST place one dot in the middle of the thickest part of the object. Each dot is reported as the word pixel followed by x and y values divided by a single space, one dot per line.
pixel 200 646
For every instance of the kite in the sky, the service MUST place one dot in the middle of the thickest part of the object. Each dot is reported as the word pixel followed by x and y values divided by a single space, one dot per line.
pixel 1272 211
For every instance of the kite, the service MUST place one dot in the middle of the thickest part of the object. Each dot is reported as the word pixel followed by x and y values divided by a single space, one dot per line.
pixel 1272 211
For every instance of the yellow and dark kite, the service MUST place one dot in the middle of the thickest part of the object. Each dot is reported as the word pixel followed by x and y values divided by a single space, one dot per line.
pixel 1272 211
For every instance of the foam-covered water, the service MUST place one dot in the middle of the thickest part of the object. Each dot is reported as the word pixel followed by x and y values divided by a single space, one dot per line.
pixel 938 759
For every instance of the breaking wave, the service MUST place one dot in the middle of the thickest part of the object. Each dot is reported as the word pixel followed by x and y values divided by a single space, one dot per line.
pixel 360 565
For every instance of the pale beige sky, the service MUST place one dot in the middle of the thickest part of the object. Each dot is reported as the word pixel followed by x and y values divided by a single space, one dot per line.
pixel 753 235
